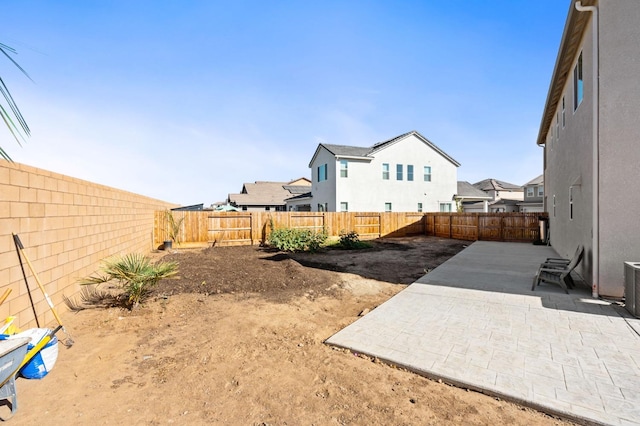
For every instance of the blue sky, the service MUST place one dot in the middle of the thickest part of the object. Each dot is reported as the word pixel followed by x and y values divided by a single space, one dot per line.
pixel 184 101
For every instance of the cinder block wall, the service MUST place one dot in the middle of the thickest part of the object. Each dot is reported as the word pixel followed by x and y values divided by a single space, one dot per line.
pixel 67 226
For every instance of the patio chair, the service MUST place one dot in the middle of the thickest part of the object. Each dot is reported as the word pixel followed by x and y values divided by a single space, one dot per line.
pixel 558 271
pixel 560 261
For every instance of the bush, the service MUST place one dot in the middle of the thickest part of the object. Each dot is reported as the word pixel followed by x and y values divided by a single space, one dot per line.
pixel 291 239
pixel 134 274
pixel 350 240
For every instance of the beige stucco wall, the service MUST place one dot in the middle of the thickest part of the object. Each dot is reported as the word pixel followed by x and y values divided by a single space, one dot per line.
pixel 67 227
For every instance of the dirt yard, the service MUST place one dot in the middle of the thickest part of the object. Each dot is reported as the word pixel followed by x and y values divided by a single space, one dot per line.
pixel 238 338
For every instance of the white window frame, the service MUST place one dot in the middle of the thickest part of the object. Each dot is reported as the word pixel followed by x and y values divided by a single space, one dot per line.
pixel 445 208
pixel 385 171
pixel 322 173
pixel 541 191
pixel 427 173
pixel 530 191
pixel 344 168
pixel 344 206
pixel 410 172
pixel 419 207
pixel 578 83
pixel 571 203
pixel 388 207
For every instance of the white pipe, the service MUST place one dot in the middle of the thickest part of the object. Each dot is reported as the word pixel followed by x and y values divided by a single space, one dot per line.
pixel 595 272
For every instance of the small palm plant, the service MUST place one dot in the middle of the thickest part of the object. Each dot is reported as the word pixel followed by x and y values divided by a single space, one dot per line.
pixel 174 226
pixel 134 273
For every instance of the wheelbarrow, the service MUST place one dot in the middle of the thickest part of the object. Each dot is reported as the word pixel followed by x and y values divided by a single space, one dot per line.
pixel 12 355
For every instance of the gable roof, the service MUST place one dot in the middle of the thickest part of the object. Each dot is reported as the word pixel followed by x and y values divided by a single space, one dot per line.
pixel 535 181
pixel 381 145
pixel 496 185
pixel 466 190
pixel 263 193
pixel 574 28
pixel 346 151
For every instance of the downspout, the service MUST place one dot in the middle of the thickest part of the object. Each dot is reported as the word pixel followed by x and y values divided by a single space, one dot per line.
pixel 595 272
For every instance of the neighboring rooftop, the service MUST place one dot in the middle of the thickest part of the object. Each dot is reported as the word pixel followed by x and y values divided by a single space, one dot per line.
pixel 496 185
pixel 263 193
pixel 362 152
pixel 536 181
pixel 466 190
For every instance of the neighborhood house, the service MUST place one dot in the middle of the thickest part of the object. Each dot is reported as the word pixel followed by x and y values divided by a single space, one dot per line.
pixel 408 173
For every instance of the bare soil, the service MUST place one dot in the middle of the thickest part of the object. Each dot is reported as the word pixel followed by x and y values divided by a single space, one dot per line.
pixel 237 338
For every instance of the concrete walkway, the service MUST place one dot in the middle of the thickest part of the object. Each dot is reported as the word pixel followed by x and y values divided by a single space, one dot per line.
pixel 475 322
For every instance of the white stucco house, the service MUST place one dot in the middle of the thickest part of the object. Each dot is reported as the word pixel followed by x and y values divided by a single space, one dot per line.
pixel 407 173
pixel 590 131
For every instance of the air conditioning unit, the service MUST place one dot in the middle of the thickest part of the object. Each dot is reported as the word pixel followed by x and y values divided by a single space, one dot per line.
pixel 632 287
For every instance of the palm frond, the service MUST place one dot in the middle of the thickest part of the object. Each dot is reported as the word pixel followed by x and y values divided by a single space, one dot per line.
pixel 15 131
pixel 134 273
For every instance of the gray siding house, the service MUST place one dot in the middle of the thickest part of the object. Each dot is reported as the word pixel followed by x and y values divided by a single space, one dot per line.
pixel 590 131
pixel 533 196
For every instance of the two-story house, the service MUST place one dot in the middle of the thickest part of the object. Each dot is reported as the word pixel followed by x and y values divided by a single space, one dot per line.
pixel 505 196
pixel 590 131
pixel 408 173
pixel 533 196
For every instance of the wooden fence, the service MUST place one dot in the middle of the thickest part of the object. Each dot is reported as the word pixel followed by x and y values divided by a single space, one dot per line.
pixel 202 228
pixel 514 227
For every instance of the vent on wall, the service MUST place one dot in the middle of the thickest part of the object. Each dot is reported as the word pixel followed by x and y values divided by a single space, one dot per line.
pixel 632 287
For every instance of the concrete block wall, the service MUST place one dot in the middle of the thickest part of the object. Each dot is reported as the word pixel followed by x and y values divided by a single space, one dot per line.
pixel 67 226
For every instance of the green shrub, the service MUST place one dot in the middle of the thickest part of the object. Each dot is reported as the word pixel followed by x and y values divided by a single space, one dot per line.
pixel 350 240
pixel 291 239
pixel 134 273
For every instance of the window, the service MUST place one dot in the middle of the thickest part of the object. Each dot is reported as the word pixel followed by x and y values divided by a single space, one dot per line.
pixel 530 191
pixel 385 171
pixel 427 173
pixel 571 203
pixel 563 115
pixel 322 173
pixel 344 207
pixel 399 171
pixel 387 207
pixel 540 191
pixel 244 208
pixel 558 126
pixel 578 84
pixel 419 207
pixel 554 205
pixel 445 207
pixel 344 168
pixel 320 207
pixel 267 208
pixel 409 172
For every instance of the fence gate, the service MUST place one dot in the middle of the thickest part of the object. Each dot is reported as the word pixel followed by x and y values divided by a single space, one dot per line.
pixel 227 230
pixel 367 225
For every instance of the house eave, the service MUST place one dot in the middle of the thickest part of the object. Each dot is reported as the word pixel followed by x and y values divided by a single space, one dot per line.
pixel 570 42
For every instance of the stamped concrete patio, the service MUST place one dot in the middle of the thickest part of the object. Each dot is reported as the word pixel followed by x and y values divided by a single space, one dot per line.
pixel 474 322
